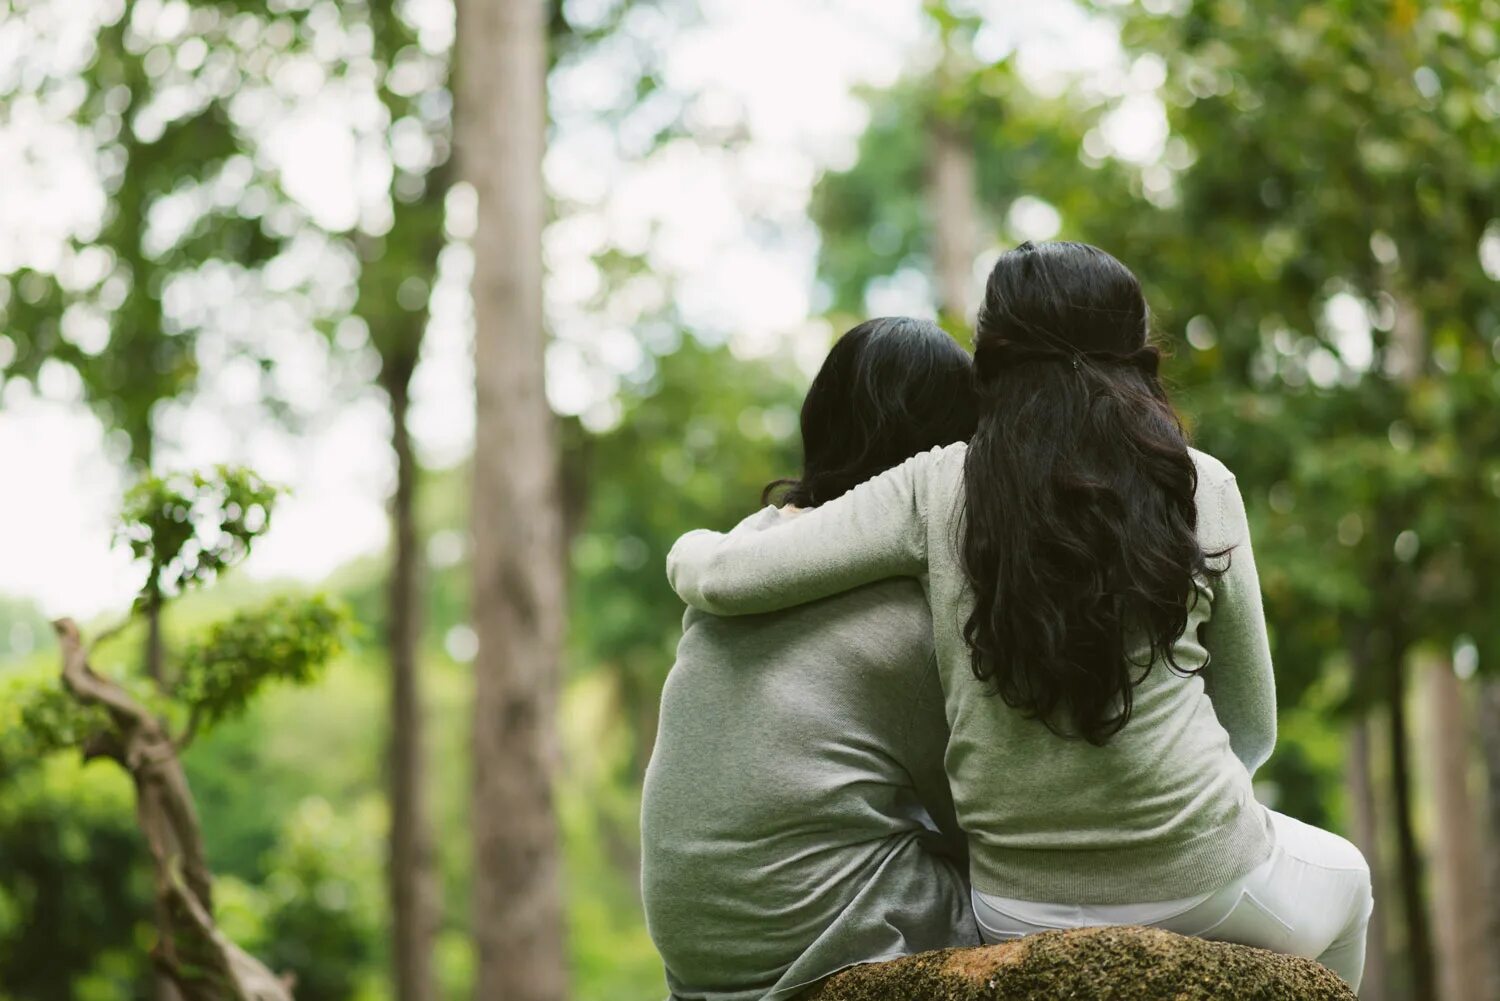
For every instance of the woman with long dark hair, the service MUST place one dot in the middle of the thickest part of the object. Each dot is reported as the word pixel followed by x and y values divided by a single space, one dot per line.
pixel 1099 633
pixel 796 819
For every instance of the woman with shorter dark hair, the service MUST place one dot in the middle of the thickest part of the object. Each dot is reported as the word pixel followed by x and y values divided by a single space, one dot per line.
pixel 1099 632
pixel 796 819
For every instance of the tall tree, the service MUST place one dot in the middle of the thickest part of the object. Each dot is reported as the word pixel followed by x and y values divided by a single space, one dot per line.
pixel 517 556
pixel 149 355
pixel 1458 887
pixel 410 862
pixel 1365 818
pixel 952 203
pixel 398 269
pixel 1489 731
pixel 102 312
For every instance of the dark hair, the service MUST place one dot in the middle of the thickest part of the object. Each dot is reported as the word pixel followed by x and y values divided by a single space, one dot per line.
pixel 889 389
pixel 1080 531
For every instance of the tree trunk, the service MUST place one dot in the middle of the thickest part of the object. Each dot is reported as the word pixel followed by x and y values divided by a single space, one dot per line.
pixel 1458 887
pixel 193 955
pixel 413 890
pixel 154 657
pixel 155 651
pixel 1366 822
pixel 1489 734
pixel 1418 938
pixel 951 198
pixel 517 553
pixel 1406 358
pixel 164 988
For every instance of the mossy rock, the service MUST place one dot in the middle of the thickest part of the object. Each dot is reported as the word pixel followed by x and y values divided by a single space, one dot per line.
pixel 1091 964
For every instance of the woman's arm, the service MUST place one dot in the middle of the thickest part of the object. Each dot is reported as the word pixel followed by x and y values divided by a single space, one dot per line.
pixel 1240 680
pixel 875 531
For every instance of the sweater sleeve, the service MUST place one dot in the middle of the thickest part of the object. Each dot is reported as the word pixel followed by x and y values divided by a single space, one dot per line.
pixel 875 531
pixel 1239 679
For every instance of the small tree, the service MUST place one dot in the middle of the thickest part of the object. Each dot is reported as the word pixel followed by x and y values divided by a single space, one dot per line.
pixel 188 529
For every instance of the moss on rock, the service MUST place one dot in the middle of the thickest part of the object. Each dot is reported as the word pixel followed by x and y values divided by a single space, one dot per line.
pixel 1091 964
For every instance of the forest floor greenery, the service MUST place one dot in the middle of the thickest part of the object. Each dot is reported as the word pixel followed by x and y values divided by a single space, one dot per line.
pixel 292 801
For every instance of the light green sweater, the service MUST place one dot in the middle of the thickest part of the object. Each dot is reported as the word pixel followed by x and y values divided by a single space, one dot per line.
pixel 1163 811
pixel 792 804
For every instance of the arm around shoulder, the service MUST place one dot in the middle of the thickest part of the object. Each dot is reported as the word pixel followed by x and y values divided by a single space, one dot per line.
pixel 875 531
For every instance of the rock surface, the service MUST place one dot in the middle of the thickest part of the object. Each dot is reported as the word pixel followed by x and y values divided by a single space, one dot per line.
pixel 1091 964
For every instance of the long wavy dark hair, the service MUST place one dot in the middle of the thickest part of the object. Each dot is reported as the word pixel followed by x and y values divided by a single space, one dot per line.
pixel 1080 538
pixel 889 388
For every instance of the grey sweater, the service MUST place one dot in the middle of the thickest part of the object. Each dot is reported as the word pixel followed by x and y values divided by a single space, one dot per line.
pixel 787 820
pixel 1163 811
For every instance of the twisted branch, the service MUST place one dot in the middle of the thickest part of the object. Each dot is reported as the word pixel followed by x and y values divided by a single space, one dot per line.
pixel 168 818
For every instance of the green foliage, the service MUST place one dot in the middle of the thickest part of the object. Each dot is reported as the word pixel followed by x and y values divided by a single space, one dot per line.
pixel 160 123
pixel 1311 157
pixel 323 899
pixel 715 429
pixel 288 639
pixel 51 719
pixel 190 527
pixel 874 218
pixel 1329 152
pixel 74 899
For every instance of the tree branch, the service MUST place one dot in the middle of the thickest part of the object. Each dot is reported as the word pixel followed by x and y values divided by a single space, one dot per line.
pixel 168 819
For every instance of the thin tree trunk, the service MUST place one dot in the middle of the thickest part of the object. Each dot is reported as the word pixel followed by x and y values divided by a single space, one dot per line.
pixel 1458 887
pixel 1366 820
pixel 1418 938
pixel 155 651
pixel 952 203
pixel 951 196
pixel 410 863
pixel 517 554
pixel 1406 357
pixel 1489 734
pixel 164 988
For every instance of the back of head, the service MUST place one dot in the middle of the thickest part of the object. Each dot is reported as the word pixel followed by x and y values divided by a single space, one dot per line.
pixel 889 389
pixel 1080 528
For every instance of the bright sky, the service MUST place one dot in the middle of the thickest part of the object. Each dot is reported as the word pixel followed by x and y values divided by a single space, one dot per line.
pixel 726 233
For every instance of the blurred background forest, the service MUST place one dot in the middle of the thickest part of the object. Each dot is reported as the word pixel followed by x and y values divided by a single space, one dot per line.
pixel 236 231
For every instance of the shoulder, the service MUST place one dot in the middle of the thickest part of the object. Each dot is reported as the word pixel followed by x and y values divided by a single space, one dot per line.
pixel 1221 509
pixel 1217 487
pixel 948 455
pixel 917 479
pixel 1211 472
pixel 939 465
pixel 937 457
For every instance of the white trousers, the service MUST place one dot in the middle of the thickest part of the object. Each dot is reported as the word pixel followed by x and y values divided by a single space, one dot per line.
pixel 1310 898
